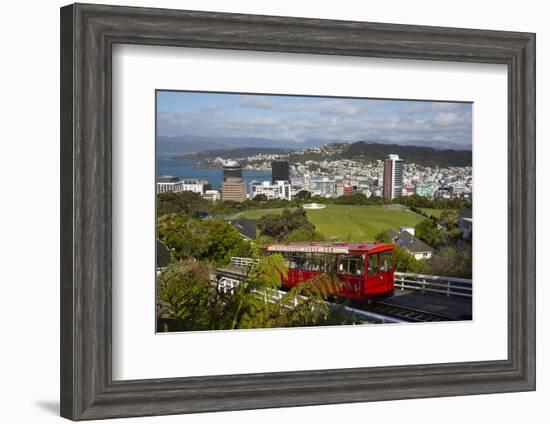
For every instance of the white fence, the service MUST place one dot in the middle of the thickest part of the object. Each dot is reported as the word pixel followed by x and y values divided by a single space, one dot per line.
pixel 227 285
pixel 243 262
pixel 448 286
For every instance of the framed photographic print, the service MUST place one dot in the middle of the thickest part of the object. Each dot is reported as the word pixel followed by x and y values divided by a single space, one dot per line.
pixel 264 212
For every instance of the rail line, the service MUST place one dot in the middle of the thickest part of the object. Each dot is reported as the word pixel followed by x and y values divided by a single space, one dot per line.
pixel 406 314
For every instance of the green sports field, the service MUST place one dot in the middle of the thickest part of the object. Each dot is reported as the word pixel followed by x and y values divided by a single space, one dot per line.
pixel 353 223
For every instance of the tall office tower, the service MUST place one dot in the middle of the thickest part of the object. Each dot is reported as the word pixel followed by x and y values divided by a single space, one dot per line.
pixel 280 171
pixel 393 177
pixel 233 186
pixel 231 169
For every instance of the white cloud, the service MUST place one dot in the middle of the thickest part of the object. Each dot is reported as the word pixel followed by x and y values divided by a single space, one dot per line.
pixel 331 120
pixel 256 102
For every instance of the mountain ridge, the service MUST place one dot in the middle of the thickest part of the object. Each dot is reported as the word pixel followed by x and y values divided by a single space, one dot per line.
pixel 185 144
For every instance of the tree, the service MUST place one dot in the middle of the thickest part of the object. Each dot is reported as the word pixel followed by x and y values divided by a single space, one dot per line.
pixel 185 202
pixel 427 231
pixel 449 219
pixel 405 262
pixel 184 291
pixel 272 226
pixel 303 195
pixel 452 262
pixel 193 303
pixel 218 241
pixel 174 230
pixel 260 198
pixel 211 241
pixel 279 227
pixel 304 234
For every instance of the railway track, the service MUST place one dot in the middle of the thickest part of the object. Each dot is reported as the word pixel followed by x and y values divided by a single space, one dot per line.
pixel 405 313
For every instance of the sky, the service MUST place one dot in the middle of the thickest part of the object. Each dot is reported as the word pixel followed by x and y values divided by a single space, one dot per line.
pixel 300 118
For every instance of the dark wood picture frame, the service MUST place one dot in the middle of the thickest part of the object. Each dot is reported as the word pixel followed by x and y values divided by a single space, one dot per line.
pixel 88 33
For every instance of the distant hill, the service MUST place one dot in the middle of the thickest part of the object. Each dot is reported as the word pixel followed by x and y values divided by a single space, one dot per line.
pixel 241 152
pixel 182 145
pixel 425 156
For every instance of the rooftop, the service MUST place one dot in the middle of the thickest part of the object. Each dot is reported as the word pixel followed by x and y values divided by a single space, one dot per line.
pixel 327 247
pixel 167 179
pixel 411 243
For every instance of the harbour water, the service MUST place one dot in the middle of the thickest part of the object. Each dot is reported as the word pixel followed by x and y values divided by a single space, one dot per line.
pixel 185 169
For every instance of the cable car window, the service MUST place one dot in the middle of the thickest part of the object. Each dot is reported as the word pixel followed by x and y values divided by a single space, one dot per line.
pixel 373 264
pixel 356 265
pixel 306 258
pixel 386 260
pixel 317 262
pixel 291 260
pixel 331 263
pixel 343 264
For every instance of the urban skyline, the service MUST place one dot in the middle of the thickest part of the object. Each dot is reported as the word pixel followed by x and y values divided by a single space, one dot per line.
pixel 390 179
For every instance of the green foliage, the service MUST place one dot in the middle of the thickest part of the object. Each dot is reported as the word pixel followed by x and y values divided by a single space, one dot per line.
pixel 427 232
pixel 184 289
pixel 303 195
pixel 415 202
pixel 260 198
pixel 186 202
pixel 424 156
pixel 304 234
pixel 193 303
pixel 174 230
pixel 451 261
pixel 268 272
pixel 211 241
pixel 279 227
pixel 448 219
pixel 382 237
pixel 405 262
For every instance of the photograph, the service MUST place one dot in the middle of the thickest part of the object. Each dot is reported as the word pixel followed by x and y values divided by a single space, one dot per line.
pixel 284 210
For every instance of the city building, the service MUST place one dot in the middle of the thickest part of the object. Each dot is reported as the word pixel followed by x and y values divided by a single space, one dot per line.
pixel 234 190
pixel 167 184
pixel 280 171
pixel 324 187
pixel 307 182
pixel 196 186
pixel 212 195
pixel 232 169
pixel 424 190
pixel 277 190
pixel 393 177
pixel 233 186
pixel 442 193
pixel 407 191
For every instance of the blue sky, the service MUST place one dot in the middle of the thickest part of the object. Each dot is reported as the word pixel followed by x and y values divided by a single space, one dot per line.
pixel 298 118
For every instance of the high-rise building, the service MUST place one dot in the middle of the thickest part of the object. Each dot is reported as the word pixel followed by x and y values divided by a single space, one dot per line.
pixel 232 169
pixel 280 171
pixel 233 186
pixel 393 177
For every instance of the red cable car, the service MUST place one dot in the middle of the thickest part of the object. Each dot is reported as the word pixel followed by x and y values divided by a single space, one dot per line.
pixel 367 267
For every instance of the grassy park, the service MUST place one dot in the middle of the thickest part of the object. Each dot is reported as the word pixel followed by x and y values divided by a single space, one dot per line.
pixel 350 222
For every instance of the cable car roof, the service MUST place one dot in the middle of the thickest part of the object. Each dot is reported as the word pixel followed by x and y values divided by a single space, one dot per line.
pixel 332 247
